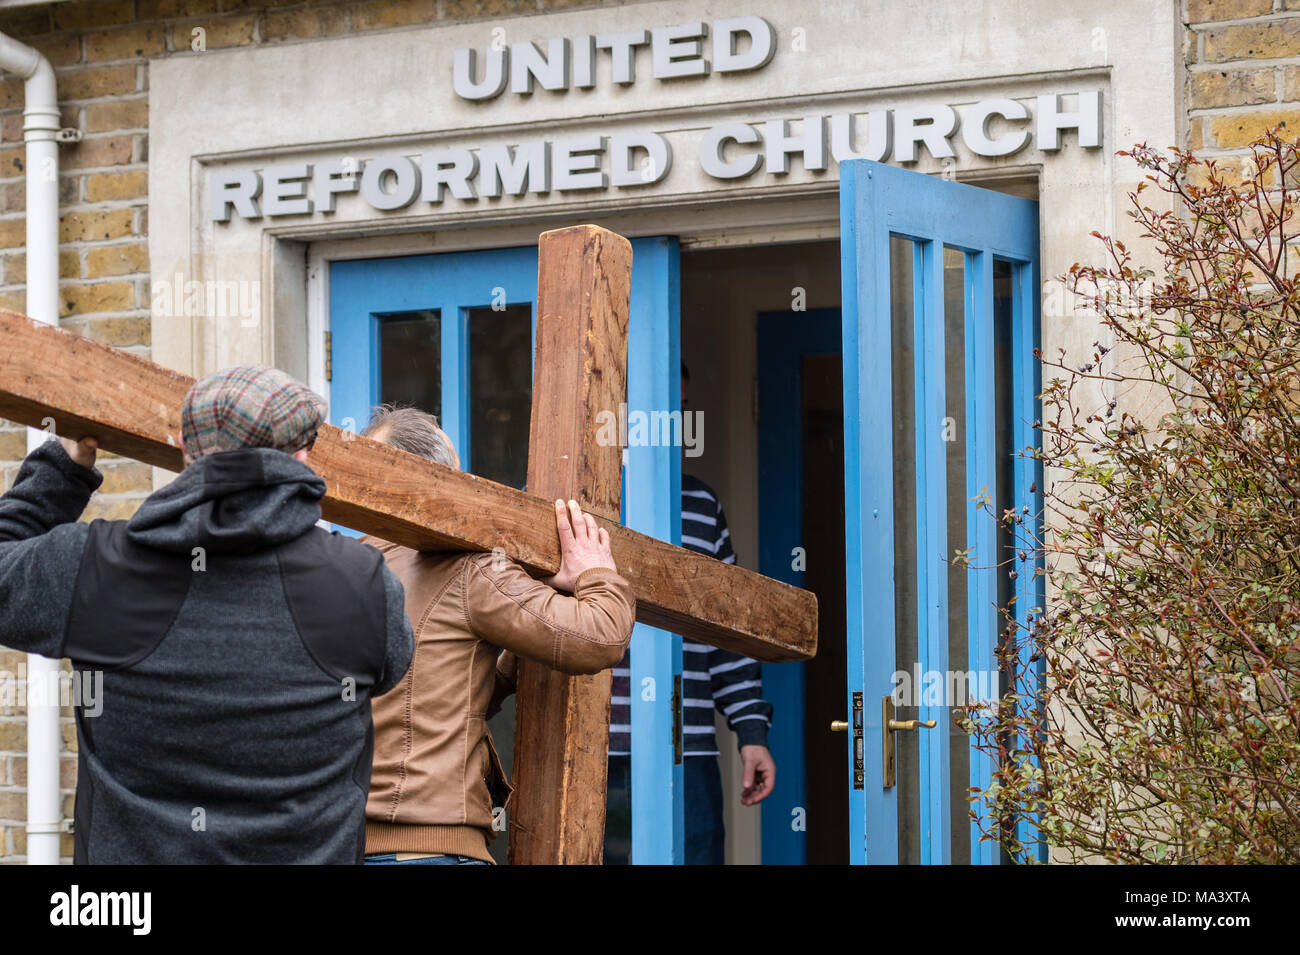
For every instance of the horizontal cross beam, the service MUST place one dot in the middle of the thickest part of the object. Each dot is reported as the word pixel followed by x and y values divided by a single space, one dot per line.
pixel 52 378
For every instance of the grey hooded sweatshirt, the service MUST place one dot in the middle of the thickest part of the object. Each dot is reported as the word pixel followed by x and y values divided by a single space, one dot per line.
pixel 238 644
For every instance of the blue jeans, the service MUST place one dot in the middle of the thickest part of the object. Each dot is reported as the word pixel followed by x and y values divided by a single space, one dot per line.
pixel 390 858
pixel 705 837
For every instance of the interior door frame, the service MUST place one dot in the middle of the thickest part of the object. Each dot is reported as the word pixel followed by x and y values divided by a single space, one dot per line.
pixel 879 201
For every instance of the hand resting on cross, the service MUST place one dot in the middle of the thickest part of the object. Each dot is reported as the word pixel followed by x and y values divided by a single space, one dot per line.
pixel 83 451
pixel 583 545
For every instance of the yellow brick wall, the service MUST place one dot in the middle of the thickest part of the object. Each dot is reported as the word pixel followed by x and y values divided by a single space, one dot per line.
pixel 101 51
pixel 1243 71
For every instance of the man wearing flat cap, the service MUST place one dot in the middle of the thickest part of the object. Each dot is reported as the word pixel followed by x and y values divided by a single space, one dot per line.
pixel 239 644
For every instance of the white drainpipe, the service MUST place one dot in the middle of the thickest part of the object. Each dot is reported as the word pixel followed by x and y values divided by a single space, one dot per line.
pixel 41 133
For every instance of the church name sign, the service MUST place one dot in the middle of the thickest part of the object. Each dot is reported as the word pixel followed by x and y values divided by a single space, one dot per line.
pixel 594 161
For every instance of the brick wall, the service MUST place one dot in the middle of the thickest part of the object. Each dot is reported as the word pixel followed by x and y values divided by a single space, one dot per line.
pixel 101 51
pixel 1243 71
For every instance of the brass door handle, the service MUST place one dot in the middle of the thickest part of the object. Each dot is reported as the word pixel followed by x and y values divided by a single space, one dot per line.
pixel 911 724
pixel 888 727
pixel 839 726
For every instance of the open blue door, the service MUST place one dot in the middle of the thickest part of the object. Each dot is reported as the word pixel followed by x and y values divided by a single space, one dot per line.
pixel 940 323
pixel 453 334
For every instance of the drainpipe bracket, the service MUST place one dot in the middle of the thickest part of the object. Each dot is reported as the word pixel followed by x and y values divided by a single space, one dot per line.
pixel 48 828
pixel 68 135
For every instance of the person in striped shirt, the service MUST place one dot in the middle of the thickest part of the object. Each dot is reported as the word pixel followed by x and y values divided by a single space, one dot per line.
pixel 711 679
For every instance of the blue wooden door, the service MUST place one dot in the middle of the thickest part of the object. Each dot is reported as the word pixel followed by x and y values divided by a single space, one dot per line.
pixel 784 339
pixel 401 330
pixel 940 388
pixel 453 334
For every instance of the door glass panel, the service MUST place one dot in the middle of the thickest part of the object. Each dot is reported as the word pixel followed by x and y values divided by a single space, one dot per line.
pixel 500 402
pixel 961 682
pixel 955 450
pixel 823 534
pixel 410 359
pixel 907 755
pixel 1005 453
pixel 500 392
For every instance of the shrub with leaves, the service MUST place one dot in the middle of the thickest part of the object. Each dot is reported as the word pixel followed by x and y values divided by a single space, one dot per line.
pixel 1152 713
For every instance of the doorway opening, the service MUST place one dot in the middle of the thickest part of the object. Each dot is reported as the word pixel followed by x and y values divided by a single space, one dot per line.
pixel 761 338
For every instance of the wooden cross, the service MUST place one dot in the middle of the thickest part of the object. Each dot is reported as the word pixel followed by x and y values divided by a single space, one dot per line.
pixel 49 377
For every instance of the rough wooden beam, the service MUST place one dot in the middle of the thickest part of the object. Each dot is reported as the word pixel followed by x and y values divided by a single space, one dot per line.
pixel 48 375
pixel 584 276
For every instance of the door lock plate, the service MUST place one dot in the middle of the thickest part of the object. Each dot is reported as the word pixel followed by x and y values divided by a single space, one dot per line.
pixel 859 772
pixel 886 718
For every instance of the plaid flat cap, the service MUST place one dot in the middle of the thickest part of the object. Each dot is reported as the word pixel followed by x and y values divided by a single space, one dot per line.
pixel 249 406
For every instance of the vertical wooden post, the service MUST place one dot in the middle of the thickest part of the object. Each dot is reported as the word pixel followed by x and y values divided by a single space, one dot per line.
pixel 579 369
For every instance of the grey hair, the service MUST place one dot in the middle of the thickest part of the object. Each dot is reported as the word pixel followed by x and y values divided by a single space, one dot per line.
pixel 413 431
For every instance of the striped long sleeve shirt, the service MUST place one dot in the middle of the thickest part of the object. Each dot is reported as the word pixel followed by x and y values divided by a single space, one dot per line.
pixel 711 678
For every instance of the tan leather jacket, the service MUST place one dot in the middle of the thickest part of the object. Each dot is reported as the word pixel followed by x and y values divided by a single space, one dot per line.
pixel 436 773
